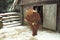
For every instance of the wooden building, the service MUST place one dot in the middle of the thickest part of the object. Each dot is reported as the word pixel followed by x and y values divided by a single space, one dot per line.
pixel 49 9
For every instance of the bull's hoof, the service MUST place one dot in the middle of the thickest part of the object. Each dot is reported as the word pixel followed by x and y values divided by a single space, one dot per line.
pixel 34 34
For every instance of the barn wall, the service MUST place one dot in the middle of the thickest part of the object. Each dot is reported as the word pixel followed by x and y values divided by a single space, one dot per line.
pixel 27 3
pixel 30 1
pixel 29 6
pixel 24 2
pixel 58 18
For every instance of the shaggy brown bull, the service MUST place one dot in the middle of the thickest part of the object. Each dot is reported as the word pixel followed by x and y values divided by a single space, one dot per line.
pixel 33 18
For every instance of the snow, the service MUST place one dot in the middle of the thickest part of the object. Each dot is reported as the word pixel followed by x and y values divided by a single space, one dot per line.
pixel 24 33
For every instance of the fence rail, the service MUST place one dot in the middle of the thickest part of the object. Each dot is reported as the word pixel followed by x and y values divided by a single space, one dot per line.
pixel 11 19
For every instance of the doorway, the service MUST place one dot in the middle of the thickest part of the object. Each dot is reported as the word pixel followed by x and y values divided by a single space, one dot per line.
pixel 39 9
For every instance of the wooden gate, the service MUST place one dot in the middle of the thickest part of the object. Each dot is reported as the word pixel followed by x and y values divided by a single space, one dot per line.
pixel 49 16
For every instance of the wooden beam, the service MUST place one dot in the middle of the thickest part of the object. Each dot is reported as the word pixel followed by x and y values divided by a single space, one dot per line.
pixel 42 2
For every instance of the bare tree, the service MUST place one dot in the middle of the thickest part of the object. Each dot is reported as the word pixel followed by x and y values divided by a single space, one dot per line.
pixel 13 5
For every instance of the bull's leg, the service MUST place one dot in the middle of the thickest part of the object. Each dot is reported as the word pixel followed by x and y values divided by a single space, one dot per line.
pixel 34 32
pixel 34 29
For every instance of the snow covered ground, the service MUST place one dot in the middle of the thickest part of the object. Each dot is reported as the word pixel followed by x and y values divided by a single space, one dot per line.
pixel 24 33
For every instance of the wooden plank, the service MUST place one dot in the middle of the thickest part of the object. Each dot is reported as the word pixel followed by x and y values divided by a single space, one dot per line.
pixel 11 19
pixel 49 16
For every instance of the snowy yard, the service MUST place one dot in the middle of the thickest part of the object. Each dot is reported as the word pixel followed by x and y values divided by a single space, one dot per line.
pixel 24 33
